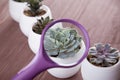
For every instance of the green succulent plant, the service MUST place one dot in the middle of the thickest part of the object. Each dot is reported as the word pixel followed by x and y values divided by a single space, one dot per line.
pixel 62 42
pixel 34 6
pixel 40 25
pixel 20 0
pixel 103 55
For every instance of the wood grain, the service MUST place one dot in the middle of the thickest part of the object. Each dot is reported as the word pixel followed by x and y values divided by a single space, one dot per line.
pixel 101 18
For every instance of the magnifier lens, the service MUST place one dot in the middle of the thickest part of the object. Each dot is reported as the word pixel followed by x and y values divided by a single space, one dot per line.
pixel 64 43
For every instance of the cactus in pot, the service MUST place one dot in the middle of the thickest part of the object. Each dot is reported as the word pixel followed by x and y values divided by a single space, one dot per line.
pixel 103 55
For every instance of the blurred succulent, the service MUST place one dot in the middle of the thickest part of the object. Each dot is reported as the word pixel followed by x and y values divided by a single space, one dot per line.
pixel 34 6
pixel 103 55
pixel 40 25
pixel 62 42
pixel 21 0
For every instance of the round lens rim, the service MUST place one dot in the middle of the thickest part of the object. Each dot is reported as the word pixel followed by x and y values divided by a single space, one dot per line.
pixel 84 32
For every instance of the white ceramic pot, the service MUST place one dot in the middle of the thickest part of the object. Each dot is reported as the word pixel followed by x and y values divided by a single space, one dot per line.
pixel 67 72
pixel 16 9
pixel 34 39
pixel 91 72
pixel 26 22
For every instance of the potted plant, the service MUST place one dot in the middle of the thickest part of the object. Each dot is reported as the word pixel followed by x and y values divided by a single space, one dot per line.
pixel 15 8
pixel 102 63
pixel 35 33
pixel 64 46
pixel 33 11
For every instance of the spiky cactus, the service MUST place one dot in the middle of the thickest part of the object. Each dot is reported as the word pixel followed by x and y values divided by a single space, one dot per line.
pixel 103 55
pixel 20 0
pixel 34 6
pixel 62 42
pixel 40 25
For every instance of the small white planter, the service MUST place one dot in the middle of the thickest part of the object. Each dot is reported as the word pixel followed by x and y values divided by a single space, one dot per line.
pixel 67 72
pixel 34 39
pixel 26 22
pixel 91 72
pixel 16 9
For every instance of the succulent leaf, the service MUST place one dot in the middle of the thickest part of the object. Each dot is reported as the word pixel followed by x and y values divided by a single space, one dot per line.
pixel 96 60
pixel 110 60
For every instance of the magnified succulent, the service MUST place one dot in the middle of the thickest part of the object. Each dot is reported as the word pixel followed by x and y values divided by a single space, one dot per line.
pixel 103 55
pixel 21 0
pixel 34 6
pixel 62 42
pixel 41 23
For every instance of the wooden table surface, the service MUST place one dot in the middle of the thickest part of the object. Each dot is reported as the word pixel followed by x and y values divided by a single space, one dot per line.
pixel 101 18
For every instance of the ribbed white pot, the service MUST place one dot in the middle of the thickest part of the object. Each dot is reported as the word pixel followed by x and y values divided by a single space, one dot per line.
pixel 16 9
pixel 67 72
pixel 26 22
pixel 34 39
pixel 91 72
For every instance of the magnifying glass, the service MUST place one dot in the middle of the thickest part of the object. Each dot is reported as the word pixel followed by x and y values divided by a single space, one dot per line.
pixel 43 61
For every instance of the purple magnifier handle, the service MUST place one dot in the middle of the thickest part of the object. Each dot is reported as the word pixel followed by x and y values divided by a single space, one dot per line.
pixel 36 66
pixel 42 62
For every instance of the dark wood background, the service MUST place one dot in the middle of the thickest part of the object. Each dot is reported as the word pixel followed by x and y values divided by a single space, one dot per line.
pixel 101 18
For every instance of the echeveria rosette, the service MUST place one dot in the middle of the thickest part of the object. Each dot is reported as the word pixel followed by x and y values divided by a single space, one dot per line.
pixel 103 55
pixel 62 42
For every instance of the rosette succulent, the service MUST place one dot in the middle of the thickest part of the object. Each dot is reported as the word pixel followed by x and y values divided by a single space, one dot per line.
pixel 103 55
pixel 62 42
pixel 40 25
